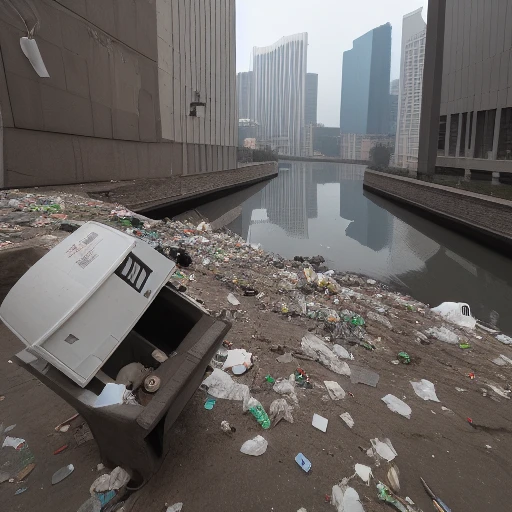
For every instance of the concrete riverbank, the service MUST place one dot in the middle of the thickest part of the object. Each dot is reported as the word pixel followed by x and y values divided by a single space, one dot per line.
pixel 484 218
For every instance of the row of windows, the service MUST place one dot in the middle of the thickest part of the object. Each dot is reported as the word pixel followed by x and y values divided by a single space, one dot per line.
pixel 484 134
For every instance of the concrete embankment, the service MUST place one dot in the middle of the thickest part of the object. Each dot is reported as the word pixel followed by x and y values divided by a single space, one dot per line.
pixel 484 218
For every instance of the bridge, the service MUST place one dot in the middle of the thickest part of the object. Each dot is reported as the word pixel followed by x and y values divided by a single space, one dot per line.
pixel 323 159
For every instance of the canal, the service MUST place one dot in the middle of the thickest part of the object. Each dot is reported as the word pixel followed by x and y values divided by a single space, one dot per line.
pixel 321 208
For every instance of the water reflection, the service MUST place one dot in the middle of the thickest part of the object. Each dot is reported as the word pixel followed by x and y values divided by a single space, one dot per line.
pixel 313 208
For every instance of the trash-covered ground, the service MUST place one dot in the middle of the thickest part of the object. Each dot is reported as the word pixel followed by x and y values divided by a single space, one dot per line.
pixel 365 385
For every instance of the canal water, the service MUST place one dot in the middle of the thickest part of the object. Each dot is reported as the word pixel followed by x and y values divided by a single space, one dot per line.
pixel 321 208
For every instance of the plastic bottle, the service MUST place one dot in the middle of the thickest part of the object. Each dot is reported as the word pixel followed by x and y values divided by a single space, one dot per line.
pixel 261 416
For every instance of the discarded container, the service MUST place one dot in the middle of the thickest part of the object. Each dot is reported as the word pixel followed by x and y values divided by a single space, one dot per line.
pixel 396 405
pixel 386 495
pixel 255 447
pixel 320 422
pixel 425 390
pixel 302 379
pixel 210 403
pixel 303 462
pixel 404 357
pixel 257 410
pixel 270 379
pixel 458 313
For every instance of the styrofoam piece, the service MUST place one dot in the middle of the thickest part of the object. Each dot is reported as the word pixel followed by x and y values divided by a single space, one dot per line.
pixel 346 499
pixel 506 340
pixel 347 419
pixel 341 352
pixel 364 473
pixel 384 448
pixel 320 422
pixel 396 405
pixel 425 390
pixel 112 394
pixel 57 308
pixel 335 391
pixel 237 356
pixel 458 313
pixel 233 300
pixel 255 447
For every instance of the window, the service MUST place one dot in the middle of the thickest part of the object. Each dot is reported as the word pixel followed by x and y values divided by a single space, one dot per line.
pixel 462 144
pixel 484 133
pixel 505 139
pixel 442 135
pixel 454 132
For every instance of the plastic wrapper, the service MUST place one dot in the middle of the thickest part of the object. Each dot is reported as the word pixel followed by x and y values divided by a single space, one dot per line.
pixel 396 405
pixel 255 447
pixel 280 410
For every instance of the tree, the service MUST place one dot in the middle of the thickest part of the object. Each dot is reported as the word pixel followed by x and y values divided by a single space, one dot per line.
pixel 380 155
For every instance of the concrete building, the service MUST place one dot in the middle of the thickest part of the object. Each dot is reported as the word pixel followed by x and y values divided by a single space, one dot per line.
pixel 279 91
pixel 365 84
pixel 135 89
pixel 247 129
pixel 355 146
pixel 414 34
pixel 394 91
pixel 310 109
pixel 245 94
pixel 474 45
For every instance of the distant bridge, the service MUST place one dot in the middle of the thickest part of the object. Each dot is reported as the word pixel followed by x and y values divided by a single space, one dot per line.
pixel 323 159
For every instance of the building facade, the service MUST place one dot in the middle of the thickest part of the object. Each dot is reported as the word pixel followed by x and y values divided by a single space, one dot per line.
pixel 310 109
pixel 414 34
pixel 280 93
pixel 355 146
pixel 326 141
pixel 394 91
pixel 245 94
pixel 132 90
pixel 475 126
pixel 365 84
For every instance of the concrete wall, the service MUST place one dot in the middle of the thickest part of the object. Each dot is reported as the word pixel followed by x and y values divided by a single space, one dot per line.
pixel 477 74
pixel 122 76
pixel 482 216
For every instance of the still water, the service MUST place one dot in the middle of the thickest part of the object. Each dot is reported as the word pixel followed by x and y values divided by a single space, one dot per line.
pixel 321 208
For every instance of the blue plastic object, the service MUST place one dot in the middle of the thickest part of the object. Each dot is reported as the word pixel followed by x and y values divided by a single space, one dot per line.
pixel 303 462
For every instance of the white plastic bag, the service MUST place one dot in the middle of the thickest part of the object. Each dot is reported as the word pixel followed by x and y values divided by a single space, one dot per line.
pixel 341 352
pixel 255 447
pixel 396 405
pixel 384 449
pixel 221 385
pixel 425 390
pixel 364 473
pixel 280 410
pixel 314 347
pixel 346 499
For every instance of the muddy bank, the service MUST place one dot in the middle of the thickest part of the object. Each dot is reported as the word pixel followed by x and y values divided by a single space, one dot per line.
pixel 466 463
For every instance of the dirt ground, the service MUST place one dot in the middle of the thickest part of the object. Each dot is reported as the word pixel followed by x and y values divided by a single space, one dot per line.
pixel 467 465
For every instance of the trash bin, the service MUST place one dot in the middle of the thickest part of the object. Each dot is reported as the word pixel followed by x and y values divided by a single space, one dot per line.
pixel 95 303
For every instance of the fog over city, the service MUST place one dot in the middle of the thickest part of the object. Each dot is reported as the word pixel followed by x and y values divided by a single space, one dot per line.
pixel 331 25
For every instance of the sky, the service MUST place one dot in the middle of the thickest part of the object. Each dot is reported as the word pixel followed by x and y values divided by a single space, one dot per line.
pixel 331 25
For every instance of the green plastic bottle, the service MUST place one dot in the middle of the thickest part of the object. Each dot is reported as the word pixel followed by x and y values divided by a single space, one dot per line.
pixel 261 416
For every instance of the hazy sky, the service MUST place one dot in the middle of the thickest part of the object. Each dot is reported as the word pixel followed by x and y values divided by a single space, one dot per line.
pixel 331 25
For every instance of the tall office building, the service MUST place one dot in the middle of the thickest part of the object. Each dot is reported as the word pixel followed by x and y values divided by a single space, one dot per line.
pixel 365 84
pixel 245 93
pixel 475 125
pixel 127 90
pixel 394 90
pixel 279 92
pixel 414 34
pixel 310 111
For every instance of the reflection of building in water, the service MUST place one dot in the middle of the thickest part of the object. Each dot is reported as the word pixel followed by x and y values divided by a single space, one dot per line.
pixel 287 200
pixel 369 227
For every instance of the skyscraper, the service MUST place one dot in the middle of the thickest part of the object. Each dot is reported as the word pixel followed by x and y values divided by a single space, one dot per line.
pixel 311 99
pixel 279 92
pixel 394 90
pixel 365 84
pixel 245 92
pixel 414 33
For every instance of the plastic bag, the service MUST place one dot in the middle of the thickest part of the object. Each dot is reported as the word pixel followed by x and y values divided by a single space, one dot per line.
pixel 384 449
pixel 255 447
pixel 335 391
pixel 425 390
pixel 280 410
pixel 284 387
pixel 346 499
pixel 341 352
pixel 364 473
pixel 396 405
pixel 221 385
pixel 314 347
